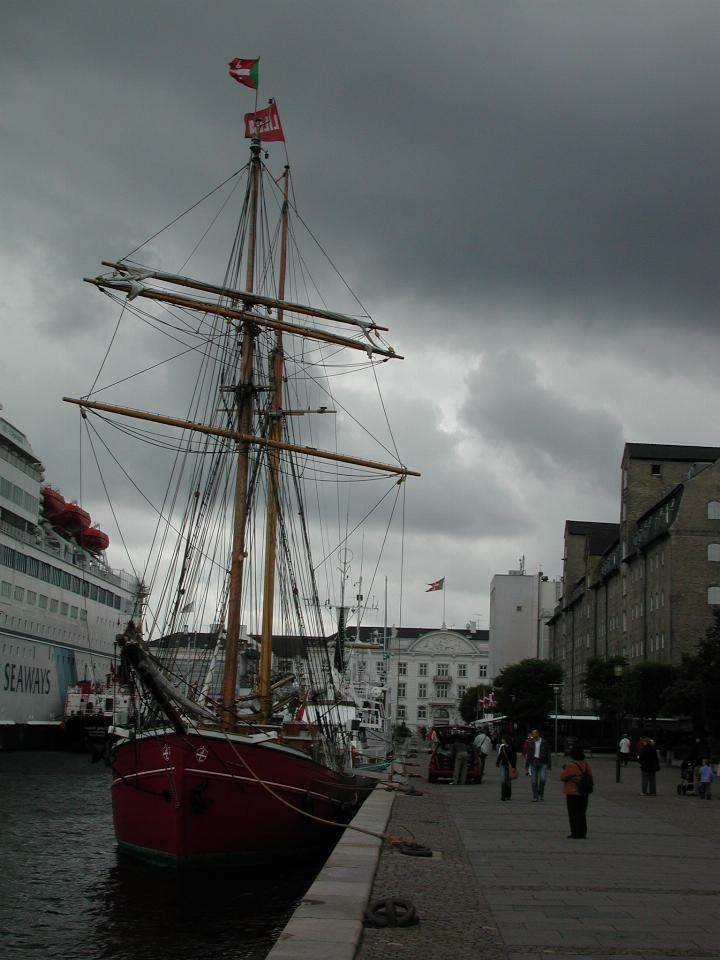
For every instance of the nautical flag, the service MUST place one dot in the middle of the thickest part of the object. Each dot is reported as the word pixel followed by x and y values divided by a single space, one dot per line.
pixel 436 585
pixel 267 122
pixel 245 72
pixel 189 607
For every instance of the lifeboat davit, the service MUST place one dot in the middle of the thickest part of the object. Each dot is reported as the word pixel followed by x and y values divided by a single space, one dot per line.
pixel 73 520
pixel 93 540
pixel 53 503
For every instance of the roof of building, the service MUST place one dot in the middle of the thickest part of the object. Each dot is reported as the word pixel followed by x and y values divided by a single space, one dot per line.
pixel 367 634
pixel 670 451
pixel 600 536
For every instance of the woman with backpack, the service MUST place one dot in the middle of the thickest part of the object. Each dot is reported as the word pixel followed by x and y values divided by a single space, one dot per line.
pixel 577 778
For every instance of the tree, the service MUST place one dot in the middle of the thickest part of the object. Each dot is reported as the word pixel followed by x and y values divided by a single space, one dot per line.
pixel 645 686
pixel 525 691
pixel 696 691
pixel 602 684
pixel 469 703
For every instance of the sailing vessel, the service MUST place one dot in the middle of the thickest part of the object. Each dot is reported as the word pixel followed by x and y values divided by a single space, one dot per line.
pixel 252 771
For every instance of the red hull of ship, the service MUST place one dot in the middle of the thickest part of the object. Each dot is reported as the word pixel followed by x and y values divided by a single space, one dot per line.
pixel 186 798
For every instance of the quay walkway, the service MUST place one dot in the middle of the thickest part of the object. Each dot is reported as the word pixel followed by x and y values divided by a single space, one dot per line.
pixel 505 883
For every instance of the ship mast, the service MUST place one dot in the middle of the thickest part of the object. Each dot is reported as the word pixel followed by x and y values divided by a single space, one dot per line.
pixel 245 396
pixel 273 491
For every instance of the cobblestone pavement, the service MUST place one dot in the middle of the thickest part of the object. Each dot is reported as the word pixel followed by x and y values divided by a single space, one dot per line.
pixel 505 882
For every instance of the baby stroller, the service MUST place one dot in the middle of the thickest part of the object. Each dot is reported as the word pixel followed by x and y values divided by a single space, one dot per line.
pixel 687 779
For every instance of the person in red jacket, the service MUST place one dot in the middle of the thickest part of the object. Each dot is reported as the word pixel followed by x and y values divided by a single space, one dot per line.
pixel 572 775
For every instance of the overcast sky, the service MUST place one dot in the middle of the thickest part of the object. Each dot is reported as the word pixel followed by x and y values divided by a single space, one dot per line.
pixel 527 193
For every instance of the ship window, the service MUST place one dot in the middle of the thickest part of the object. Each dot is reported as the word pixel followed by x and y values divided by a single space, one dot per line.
pixel 93 592
pixel 116 601
pixel 66 580
pixel 76 585
pixel 31 597
pixel 33 565
pixel 85 589
pixel 74 612
pixel 19 593
pixel 7 556
pixel 53 605
pixel 5 588
pixel 20 562
pixel 42 601
pixel 63 608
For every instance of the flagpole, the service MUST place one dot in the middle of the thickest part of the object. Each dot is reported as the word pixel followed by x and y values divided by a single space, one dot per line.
pixel 443 593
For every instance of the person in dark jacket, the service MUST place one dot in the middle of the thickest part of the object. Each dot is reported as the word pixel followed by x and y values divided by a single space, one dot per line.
pixel 649 766
pixel 506 761
pixel 539 761
pixel 577 802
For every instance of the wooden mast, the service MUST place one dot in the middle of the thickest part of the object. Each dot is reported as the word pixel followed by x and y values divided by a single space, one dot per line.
pixel 245 393
pixel 273 486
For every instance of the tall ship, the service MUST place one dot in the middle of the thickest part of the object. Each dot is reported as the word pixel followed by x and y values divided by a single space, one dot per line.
pixel 247 525
pixel 61 604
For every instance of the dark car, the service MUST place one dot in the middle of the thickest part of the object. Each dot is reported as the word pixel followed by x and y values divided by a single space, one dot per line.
pixel 442 762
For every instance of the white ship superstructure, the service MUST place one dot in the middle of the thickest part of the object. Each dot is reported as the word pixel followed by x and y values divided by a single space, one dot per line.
pixel 61 606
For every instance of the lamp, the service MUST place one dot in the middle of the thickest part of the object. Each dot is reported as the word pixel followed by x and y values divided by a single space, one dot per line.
pixel 618 671
pixel 556 690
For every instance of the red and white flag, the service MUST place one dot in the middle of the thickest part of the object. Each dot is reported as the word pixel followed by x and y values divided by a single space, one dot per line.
pixel 267 123
pixel 436 585
pixel 245 72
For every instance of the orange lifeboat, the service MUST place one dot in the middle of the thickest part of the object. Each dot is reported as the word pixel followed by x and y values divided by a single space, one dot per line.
pixel 53 503
pixel 73 520
pixel 93 540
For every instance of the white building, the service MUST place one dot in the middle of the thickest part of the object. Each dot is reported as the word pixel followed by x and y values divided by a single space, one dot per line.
pixel 425 671
pixel 520 607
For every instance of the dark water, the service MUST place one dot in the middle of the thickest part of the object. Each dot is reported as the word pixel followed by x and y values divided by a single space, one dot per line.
pixel 65 891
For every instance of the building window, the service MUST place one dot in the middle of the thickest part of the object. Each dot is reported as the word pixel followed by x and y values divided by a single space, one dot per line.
pixel 443 689
pixel 462 670
pixel 378 666
pixel 713 510
pixel 443 670
pixel 422 713
pixel 402 687
pixel 422 670
pixel 402 668
pixel 461 690
pixel 422 691
pixel 713 552
pixel 401 711
pixel 655 470
pixel 483 670
pixel 713 595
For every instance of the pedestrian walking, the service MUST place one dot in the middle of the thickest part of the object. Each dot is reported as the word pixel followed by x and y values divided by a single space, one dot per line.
pixel 507 764
pixel 576 775
pixel 649 766
pixel 539 761
pixel 526 752
pixel 705 782
pixel 483 745
pixel 624 748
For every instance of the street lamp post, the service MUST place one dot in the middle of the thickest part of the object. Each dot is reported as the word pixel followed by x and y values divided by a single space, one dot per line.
pixel 556 691
pixel 618 671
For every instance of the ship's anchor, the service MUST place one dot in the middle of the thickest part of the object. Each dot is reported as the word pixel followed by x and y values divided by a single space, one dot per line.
pixel 198 803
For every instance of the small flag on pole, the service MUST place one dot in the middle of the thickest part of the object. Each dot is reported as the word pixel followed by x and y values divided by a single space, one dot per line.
pixel 267 123
pixel 245 72
pixel 436 585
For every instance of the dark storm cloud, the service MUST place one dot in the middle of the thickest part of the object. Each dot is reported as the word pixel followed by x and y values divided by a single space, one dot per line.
pixel 512 409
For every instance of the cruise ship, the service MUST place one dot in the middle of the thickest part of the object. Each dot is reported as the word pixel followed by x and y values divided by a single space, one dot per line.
pixel 61 606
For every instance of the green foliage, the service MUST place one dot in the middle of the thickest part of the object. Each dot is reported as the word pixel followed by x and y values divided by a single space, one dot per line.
pixel 603 685
pixel 645 686
pixel 468 704
pixel 525 691
pixel 696 691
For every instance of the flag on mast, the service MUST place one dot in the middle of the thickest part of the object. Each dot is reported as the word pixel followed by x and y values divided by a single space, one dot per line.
pixel 436 585
pixel 266 122
pixel 244 71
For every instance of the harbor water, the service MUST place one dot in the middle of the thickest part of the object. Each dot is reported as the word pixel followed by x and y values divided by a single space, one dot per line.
pixel 65 890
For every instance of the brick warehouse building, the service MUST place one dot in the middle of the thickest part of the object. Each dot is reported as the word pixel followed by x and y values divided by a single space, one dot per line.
pixel 644 588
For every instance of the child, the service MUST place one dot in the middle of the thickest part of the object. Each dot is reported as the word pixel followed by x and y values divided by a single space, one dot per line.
pixel 706 775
